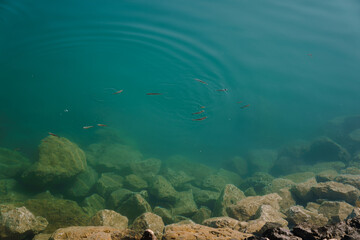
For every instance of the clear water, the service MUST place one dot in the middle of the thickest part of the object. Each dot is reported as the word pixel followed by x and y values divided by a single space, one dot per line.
pixel 295 62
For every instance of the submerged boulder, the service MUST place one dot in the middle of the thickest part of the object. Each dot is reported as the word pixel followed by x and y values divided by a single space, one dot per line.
pixel 185 204
pixel 109 218
pixel 229 195
pixel 83 183
pixel 12 163
pixel 134 206
pixel 107 183
pixel 149 221
pixel 147 168
pixel 59 160
pixel 162 190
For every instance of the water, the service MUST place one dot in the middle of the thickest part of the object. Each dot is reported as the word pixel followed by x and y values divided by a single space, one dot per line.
pixel 70 55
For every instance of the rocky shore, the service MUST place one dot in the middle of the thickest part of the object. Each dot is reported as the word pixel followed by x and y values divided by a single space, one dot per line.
pixel 109 190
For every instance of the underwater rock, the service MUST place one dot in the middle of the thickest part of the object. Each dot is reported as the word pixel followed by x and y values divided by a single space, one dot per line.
pixel 19 223
pixel 279 183
pixel 200 232
pixel 112 157
pixel 302 191
pixel 265 214
pixel 213 182
pixel 165 214
pixel 237 164
pixel 147 168
pixel 335 191
pixel 355 135
pixel 311 206
pixel 355 213
pixel 229 195
pixel 246 208
pixel 107 183
pixel 326 150
pixel 58 212
pixel 117 197
pixel 177 178
pixel 225 222
pixel 149 221
pixel 162 190
pixel 178 219
pixel 42 236
pixel 93 203
pixel 351 170
pixel 300 177
pixel 324 166
pixel 230 177
pixel 335 211
pixel 185 204
pixel 250 192
pixel 59 160
pixel 7 185
pixel 135 183
pixel 93 233
pixel 202 214
pixel 12 163
pixel 261 160
pixel 259 181
pixel 287 199
pixel 326 176
pixel 83 183
pixel 205 197
pixel 353 180
pixel 109 218
pixel 298 215
pixel 278 233
pixel 134 206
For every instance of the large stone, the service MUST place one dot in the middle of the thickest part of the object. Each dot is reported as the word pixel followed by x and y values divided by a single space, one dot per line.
pixel 301 191
pixel 229 195
pixel 300 177
pixel 335 211
pixel 177 178
pixel 83 183
pixel 110 218
pixel 206 197
pixel 108 183
pixel 165 214
pixel 92 233
pixel 58 212
pixel 287 199
pixel 230 177
pixel 259 181
pixel 149 221
pixel 202 214
pixel 134 206
pixel 59 160
pixel 162 190
pixel 19 223
pixel 279 183
pixel 298 215
pixel 200 232
pixel 335 191
pixel 135 183
pixel 93 203
pixel 353 180
pixel 12 163
pixel 266 214
pixel 214 182
pixel 224 222
pixel 325 176
pixel 185 204
pixel 117 197
pixel 146 169
pixel 246 208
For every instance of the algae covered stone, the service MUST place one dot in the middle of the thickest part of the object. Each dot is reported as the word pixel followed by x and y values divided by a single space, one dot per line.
pixel 59 160
pixel 83 183
pixel 162 190
pixel 12 163
pixel 110 218
pixel 229 195
pixel 185 204
pixel 149 221
pixel 134 206
pixel 107 183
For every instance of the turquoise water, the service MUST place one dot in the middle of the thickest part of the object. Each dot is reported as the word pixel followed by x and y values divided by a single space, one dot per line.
pixel 294 62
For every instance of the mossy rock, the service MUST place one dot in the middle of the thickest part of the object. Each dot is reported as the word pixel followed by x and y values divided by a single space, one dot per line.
pixel 12 163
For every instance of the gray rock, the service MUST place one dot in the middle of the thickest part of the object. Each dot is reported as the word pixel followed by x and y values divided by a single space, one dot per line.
pixel 298 215
pixel 59 160
pixel 165 214
pixel 229 195
pixel 117 197
pixel 185 204
pixel 162 190
pixel 135 183
pixel 335 211
pixel 146 169
pixel 93 203
pixel 109 218
pixel 19 223
pixel 246 208
pixel 12 163
pixel 202 214
pixel 335 191
pixel 134 206
pixel 108 183
pixel 149 221
pixel 83 183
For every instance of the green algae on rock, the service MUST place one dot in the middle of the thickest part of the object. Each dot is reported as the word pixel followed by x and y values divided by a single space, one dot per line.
pixel 12 163
pixel 59 160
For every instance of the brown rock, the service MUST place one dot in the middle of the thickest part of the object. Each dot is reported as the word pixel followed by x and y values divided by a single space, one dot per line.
pixel 149 221
pixel 287 200
pixel 200 232
pixel 110 218
pixel 335 211
pixel 223 222
pixel 298 215
pixel 202 214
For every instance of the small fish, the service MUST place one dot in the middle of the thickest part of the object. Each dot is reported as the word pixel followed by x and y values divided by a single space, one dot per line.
pixel 117 92
pixel 101 125
pixel 201 81
pixel 53 134
pixel 202 106
pixel 239 102
pixel 309 54
pixel 87 127
pixel 245 106
pixel 200 119
pixel 154 94
pixel 199 112
pixel 222 90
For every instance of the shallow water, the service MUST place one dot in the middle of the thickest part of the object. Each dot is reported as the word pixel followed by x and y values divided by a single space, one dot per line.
pixel 294 62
